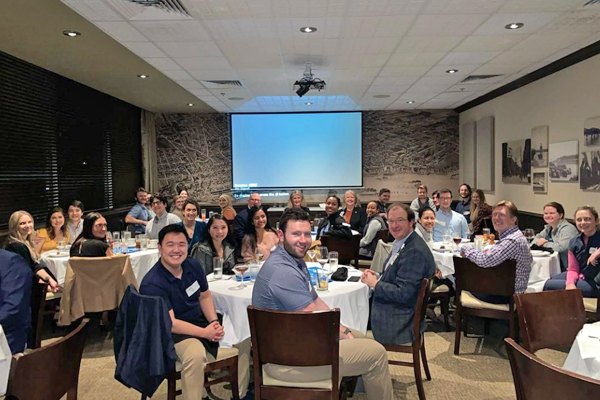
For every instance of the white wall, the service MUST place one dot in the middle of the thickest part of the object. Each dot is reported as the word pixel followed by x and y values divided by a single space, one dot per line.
pixel 563 101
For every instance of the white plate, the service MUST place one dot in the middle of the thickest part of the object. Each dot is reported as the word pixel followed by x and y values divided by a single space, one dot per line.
pixel 539 253
pixel 55 255
pixel 438 247
pixel 465 241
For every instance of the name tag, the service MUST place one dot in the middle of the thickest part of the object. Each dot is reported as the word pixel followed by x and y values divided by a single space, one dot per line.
pixel 593 249
pixel 441 223
pixel 192 289
pixel 467 213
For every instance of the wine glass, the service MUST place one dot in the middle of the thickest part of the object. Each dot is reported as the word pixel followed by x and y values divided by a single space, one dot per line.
pixel 323 256
pixel 258 255
pixel 240 268
pixel 457 239
pixel 311 253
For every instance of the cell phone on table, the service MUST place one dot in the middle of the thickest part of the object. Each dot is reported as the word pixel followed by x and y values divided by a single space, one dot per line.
pixel 354 279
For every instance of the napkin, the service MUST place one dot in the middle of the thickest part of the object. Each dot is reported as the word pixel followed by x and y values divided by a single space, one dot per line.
pixel 341 274
pixel 542 248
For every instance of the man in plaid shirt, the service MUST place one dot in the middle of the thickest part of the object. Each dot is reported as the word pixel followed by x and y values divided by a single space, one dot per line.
pixel 511 246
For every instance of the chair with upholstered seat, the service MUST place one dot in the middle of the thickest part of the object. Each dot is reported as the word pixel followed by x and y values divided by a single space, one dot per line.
pixel 498 280
pixel 49 372
pixel 442 293
pixel 549 319
pixel 592 307
pixel 417 347
pixel 315 344
pixel 536 379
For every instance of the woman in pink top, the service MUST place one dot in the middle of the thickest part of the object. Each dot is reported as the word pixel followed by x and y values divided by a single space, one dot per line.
pixel 259 236
pixel 584 250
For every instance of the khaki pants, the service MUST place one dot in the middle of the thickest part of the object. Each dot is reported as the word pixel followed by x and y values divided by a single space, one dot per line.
pixel 193 357
pixel 359 356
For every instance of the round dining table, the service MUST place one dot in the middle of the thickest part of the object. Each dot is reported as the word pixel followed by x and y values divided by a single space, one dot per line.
pixel 141 262
pixel 584 356
pixel 544 266
pixel 352 298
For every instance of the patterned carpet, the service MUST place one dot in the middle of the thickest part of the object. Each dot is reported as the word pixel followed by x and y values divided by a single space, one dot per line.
pixel 481 371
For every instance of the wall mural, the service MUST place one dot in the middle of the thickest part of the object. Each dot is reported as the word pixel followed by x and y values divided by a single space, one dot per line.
pixel 401 149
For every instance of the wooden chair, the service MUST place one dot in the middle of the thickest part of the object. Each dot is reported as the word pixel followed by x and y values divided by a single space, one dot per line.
pixel 417 347
pixel 347 248
pixel 38 306
pixel 549 319
pixel 49 372
pixel 592 307
pixel 381 235
pixel 498 280
pixel 442 293
pixel 536 379
pixel 228 364
pixel 315 346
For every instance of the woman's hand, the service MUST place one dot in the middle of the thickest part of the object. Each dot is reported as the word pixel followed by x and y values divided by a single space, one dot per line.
pixel 53 286
pixel 438 274
pixel 593 259
pixel 541 242
pixel 571 286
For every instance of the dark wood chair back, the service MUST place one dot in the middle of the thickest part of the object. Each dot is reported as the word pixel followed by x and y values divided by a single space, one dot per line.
pixel 536 379
pixel 49 372
pixel 383 234
pixel 38 304
pixel 347 249
pixel 421 307
pixel 315 343
pixel 549 319
pixel 498 280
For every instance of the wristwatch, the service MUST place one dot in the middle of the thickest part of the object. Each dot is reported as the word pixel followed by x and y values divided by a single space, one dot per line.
pixel 347 331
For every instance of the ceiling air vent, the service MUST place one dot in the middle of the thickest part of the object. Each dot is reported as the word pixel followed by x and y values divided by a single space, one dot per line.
pixel 223 84
pixel 476 78
pixel 164 5
pixel 590 2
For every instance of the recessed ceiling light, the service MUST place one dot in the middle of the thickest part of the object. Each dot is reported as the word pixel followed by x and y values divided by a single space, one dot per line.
pixel 308 29
pixel 410 102
pixel 514 25
pixel 381 96
pixel 452 71
pixel 235 98
pixel 191 104
pixel 143 76
pixel 308 103
pixel 71 33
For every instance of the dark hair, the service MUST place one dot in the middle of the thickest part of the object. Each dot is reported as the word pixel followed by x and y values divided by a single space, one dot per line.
pixel 435 193
pixel 444 190
pixel 76 203
pixel 559 208
pixel 49 228
pixel 173 228
pixel 140 189
pixel 422 210
pixel 410 214
pixel 87 232
pixel 292 214
pixel 251 229
pixel 384 190
pixel 192 202
pixel 422 187
pixel 468 187
pixel 211 221
pixel 181 190
pixel 161 198
pixel 335 197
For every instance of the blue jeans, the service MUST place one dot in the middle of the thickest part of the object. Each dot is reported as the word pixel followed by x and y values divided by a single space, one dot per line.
pixel 559 282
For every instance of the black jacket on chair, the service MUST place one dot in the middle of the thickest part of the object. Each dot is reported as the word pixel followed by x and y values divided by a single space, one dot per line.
pixel 144 348
pixel 358 219
pixel 337 227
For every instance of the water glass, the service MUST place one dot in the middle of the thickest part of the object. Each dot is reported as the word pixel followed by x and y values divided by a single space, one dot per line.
pixel 217 267
pixel 333 261
pixel 124 248
pixel 144 243
pixel 116 249
pixel 253 271
pixel 447 239
pixel 322 280
pixel 126 235
pixel 62 245
pixel 478 242
pixel 116 235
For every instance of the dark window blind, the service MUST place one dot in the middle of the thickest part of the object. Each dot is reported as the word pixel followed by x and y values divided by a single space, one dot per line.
pixel 61 140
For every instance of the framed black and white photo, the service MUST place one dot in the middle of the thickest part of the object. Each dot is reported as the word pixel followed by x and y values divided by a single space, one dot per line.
pixel 564 161
pixel 589 171
pixel 516 161
pixel 591 132
pixel 539 147
pixel 540 182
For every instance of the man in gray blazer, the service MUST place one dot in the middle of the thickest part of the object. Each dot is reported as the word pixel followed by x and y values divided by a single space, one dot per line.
pixel 395 292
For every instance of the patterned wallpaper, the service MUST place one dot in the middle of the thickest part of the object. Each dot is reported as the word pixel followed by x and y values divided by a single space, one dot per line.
pixel 401 149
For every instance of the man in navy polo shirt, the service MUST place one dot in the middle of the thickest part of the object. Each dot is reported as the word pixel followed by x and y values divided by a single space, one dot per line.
pixel 181 282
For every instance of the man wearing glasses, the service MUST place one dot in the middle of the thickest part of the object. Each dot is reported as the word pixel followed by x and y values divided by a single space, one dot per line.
pixel 447 220
pixel 395 293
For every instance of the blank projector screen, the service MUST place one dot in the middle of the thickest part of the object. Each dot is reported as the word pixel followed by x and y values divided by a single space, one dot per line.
pixel 297 150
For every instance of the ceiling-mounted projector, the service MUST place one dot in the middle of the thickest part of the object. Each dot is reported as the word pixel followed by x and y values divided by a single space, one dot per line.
pixel 308 82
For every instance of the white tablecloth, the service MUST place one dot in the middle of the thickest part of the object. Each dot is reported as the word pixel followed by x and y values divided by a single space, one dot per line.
pixel 584 357
pixel 5 360
pixel 141 262
pixel 352 298
pixel 541 270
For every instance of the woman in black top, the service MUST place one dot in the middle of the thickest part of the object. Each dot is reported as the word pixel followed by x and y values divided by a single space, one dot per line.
pixel 353 213
pixel 334 224
pixel 21 240
pixel 92 240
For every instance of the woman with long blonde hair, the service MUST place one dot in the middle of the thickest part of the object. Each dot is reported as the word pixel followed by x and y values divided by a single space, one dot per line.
pixel 297 201
pixel 227 210
pixel 481 213
pixel 22 241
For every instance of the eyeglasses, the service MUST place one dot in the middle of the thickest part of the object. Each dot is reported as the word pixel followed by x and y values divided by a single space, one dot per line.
pixel 155 202
pixel 445 198
pixel 397 221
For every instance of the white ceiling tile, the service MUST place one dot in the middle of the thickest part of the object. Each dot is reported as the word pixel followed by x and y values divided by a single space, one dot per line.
pixel 489 43
pixel 586 21
pixel 190 49
pixel 121 31
pixel 495 25
pixel 397 89
pixel 200 92
pixel 203 63
pixel 498 68
pixel 452 95
pixel 351 62
pixel 586 42
pixel 470 87
pixel 172 31
pixel 403 71
pixel 178 75
pixel 428 44
pixel 414 59
pixel 522 57
pixel 144 49
pixel 471 57
pixel 446 25
pixel 463 71
pixel 93 10
pixel 214 75
pixel 371 27
pixel 383 81
pixel 462 6
pixel 549 42
pixel 537 6
pixel 191 84
pixel 163 64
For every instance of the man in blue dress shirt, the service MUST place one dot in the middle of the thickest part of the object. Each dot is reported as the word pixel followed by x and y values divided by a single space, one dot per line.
pixel 447 220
